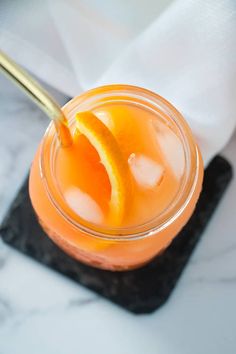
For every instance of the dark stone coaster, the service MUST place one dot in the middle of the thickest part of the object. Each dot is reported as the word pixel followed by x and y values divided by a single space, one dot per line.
pixel 139 291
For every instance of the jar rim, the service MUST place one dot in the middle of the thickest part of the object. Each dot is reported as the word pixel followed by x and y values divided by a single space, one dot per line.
pixel 191 154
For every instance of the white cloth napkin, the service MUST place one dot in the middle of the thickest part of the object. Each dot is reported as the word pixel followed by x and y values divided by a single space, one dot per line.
pixel 185 50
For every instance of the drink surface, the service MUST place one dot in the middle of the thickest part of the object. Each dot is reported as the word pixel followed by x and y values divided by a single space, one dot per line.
pixel 155 156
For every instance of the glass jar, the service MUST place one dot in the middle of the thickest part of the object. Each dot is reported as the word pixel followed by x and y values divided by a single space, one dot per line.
pixel 110 248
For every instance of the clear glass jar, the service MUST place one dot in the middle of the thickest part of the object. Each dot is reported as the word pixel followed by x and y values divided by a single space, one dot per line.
pixel 121 248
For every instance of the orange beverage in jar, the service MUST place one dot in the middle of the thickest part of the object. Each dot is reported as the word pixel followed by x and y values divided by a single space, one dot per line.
pixel 120 193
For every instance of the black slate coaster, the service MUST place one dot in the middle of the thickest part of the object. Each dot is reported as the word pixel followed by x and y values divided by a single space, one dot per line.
pixel 139 291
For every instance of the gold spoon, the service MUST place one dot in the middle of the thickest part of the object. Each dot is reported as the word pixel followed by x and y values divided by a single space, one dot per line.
pixel 39 95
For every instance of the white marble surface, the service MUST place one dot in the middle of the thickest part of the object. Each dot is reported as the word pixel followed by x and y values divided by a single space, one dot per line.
pixel 42 312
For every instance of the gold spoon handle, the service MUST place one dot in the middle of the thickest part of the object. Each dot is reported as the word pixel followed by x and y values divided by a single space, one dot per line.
pixel 39 95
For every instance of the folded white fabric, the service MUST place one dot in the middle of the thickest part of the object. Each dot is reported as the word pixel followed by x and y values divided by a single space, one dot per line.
pixel 185 51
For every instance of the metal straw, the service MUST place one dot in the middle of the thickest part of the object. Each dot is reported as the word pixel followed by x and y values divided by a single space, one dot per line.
pixel 39 95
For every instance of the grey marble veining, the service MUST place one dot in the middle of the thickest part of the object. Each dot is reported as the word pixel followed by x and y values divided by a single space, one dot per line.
pixel 42 312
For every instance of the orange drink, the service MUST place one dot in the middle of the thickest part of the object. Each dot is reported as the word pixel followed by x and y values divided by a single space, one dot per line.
pixel 126 186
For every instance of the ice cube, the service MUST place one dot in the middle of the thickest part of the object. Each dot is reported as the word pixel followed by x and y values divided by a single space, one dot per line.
pixel 84 205
pixel 171 148
pixel 105 118
pixel 147 172
pixel 172 151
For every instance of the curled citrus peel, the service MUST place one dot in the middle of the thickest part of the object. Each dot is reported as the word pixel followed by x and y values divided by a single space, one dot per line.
pixel 113 160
